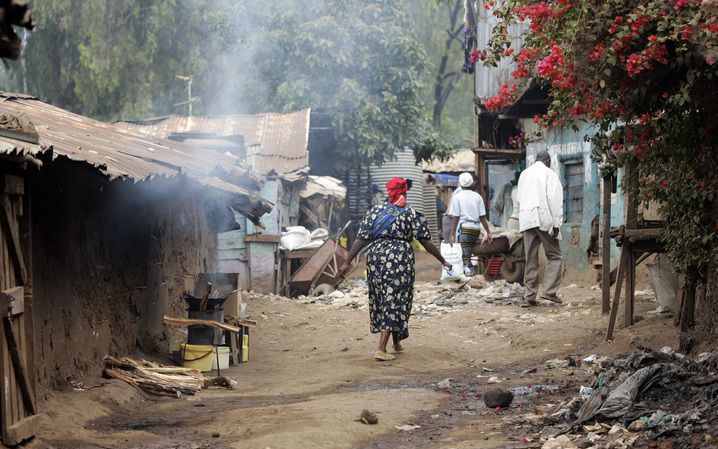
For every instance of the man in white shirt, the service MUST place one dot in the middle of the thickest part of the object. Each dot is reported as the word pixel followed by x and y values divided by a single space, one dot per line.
pixel 468 211
pixel 540 206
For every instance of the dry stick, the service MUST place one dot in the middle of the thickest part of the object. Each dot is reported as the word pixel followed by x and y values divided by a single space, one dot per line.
pixel 205 297
pixel 189 322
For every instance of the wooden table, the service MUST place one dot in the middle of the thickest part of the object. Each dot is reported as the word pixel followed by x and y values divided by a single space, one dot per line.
pixel 287 257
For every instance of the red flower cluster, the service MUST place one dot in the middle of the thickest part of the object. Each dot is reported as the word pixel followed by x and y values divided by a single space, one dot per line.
pixel 525 57
pixel 687 33
pixel 555 68
pixel 643 60
pixel 475 55
pixel 597 53
pixel 639 23
pixel 616 22
pixel 503 99
pixel 680 4
pixel 539 13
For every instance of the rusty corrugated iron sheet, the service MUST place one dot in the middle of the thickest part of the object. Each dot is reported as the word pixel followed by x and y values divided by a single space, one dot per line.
pixel 275 142
pixel 490 79
pixel 116 152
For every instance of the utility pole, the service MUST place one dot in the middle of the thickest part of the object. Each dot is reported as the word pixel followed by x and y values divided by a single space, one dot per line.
pixel 190 99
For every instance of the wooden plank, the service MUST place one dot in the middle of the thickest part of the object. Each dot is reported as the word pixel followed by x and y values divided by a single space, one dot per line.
pixel 233 350
pixel 617 295
pixel 12 301
pixel 232 254
pixel 262 238
pixel 191 322
pixel 21 430
pixel 298 254
pixel 630 285
pixel 233 243
pixel 13 185
pixel 643 233
pixel 9 222
pixel 28 395
pixel 688 306
pixel 606 247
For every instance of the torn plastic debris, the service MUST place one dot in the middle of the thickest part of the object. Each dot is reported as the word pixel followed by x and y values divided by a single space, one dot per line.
pixel 586 392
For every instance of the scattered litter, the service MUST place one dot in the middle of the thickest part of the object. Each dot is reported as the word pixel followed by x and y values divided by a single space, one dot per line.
pixel 494 380
pixel 586 392
pixel 559 442
pixel 654 396
pixel 444 384
pixel 487 370
pixel 407 427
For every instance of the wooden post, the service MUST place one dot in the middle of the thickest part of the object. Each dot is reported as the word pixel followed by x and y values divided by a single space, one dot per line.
pixel 606 246
pixel 631 223
pixel 689 305
pixel 630 284
pixel 617 295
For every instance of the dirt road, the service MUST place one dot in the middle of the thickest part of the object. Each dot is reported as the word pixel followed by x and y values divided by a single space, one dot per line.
pixel 311 373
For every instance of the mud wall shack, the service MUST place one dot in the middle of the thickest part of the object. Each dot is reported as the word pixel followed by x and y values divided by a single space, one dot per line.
pixel 110 228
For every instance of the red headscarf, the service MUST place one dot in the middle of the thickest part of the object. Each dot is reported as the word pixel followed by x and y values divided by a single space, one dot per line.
pixel 396 189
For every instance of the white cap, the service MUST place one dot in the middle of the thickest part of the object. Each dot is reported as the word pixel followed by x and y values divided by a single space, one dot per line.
pixel 465 180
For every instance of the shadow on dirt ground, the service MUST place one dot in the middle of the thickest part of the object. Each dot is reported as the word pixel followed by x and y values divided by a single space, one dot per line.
pixel 311 374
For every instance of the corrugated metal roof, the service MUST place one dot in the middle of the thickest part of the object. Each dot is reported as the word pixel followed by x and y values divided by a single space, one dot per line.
pixel 275 142
pixel 461 161
pixel 490 79
pixel 115 152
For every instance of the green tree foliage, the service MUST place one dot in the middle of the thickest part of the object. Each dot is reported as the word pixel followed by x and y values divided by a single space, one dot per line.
pixel 453 113
pixel 113 58
pixel 358 60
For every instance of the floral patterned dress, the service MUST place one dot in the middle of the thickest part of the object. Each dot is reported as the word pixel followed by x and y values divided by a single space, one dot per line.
pixel 390 264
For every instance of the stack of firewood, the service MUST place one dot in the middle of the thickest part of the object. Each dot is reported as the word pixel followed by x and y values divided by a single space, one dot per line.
pixel 161 380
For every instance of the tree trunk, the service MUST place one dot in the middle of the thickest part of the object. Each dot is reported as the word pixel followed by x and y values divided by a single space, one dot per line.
pixel 445 82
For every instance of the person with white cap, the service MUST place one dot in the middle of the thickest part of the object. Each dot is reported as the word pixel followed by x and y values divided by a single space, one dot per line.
pixel 540 206
pixel 468 212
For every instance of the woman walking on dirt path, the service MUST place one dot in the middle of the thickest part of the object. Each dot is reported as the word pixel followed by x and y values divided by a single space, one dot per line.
pixel 390 228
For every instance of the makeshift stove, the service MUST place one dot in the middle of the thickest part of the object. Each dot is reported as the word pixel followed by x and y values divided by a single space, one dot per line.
pixel 212 333
pixel 207 307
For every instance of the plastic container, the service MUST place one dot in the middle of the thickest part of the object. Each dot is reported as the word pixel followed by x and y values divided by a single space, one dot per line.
pixel 175 342
pixel 245 348
pixel 223 358
pixel 197 356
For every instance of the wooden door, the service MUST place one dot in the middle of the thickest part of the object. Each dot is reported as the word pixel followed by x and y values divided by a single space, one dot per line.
pixel 18 409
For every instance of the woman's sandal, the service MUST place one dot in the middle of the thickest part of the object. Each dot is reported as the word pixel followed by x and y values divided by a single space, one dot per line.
pixel 383 356
pixel 398 347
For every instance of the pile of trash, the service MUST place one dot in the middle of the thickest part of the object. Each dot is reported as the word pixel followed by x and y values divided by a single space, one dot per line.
pixel 431 298
pixel 641 397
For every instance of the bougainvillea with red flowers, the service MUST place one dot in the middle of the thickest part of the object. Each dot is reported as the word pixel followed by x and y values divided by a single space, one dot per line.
pixel 644 72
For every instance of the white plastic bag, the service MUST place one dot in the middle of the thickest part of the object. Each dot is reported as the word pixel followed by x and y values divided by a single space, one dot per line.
pixel 295 237
pixel 452 254
pixel 319 234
